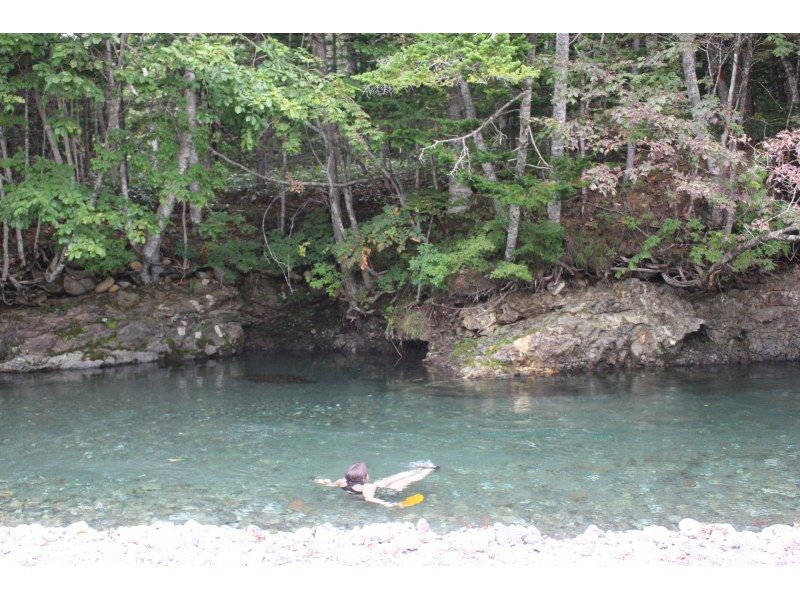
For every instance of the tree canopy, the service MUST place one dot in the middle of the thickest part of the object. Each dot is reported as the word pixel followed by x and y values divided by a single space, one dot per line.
pixel 378 167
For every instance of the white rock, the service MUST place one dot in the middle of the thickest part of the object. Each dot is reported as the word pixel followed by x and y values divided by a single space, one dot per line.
pixel 593 532
pixel 690 528
pixel 423 527
pixel 508 535
pixel 777 530
pixel 304 534
pixel 407 541
pixel 80 527
pixel 532 536
pixel 658 534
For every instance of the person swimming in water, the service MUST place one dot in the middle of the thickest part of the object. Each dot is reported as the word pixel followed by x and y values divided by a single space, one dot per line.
pixel 356 481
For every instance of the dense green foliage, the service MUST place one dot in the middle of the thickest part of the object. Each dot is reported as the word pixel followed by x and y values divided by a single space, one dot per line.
pixel 375 167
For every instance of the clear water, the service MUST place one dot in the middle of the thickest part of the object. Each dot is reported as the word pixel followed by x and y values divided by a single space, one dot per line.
pixel 132 445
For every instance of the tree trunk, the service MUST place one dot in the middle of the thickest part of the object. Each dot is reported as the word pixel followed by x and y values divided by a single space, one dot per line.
pixel 27 131
pixel 6 258
pixel 151 251
pixel 434 176
pixel 285 177
pixel 716 67
pixel 10 178
pixel 459 193
pixel 557 141
pixel 729 117
pixel 261 154
pixel 350 56
pixel 67 143
pixel 523 141
pixel 330 134
pixel 47 128
pixel 349 289
pixel 743 99
pixel 417 169
pixel 729 103
pixel 113 95
pixel 791 81
pixel 690 77
pixel 630 154
pixel 480 143
pixel 195 211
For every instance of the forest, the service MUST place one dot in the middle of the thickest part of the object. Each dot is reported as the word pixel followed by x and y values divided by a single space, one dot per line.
pixel 375 168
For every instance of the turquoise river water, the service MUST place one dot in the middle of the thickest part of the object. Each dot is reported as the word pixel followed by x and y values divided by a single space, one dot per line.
pixel 237 442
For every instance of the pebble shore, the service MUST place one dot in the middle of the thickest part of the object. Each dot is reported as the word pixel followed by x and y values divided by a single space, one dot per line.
pixel 193 544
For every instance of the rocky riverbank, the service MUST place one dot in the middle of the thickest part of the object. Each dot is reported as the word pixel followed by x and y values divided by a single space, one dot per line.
pixel 130 325
pixel 627 324
pixel 193 544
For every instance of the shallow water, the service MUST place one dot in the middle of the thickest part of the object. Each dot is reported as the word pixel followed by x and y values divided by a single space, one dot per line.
pixel 236 442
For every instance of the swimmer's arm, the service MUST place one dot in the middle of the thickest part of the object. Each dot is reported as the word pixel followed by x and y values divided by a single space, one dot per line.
pixel 369 496
pixel 340 483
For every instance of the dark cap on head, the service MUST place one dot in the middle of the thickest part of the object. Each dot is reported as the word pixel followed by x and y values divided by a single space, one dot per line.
pixel 356 473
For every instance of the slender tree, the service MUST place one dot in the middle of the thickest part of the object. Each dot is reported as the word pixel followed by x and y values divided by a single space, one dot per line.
pixel 557 141
pixel 523 142
pixel 459 192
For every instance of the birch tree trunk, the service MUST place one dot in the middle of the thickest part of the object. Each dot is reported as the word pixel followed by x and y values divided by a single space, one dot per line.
pixel 10 178
pixel 523 141
pixel 557 141
pixel 330 134
pixel 47 128
pixel 350 56
pixel 151 251
pixel 480 143
pixel 62 106
pixel 729 116
pixel 459 193
pixel 690 78
pixel 113 94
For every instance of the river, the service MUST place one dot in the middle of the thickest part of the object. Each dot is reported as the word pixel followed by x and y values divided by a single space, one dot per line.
pixel 236 442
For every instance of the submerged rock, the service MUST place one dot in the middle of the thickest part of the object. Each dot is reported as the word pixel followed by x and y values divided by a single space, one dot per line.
pixel 277 379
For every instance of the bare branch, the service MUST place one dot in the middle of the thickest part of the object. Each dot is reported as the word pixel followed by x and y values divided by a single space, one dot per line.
pixel 291 183
pixel 463 138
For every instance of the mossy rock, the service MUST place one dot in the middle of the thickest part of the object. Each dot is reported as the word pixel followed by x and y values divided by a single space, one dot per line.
pixel 74 330
pixel 466 348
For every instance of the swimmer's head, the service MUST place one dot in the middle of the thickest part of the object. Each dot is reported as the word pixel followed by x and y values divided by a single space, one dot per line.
pixel 356 474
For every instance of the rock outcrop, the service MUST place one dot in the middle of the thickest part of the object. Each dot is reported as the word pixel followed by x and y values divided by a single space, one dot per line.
pixel 758 323
pixel 627 324
pixel 131 325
